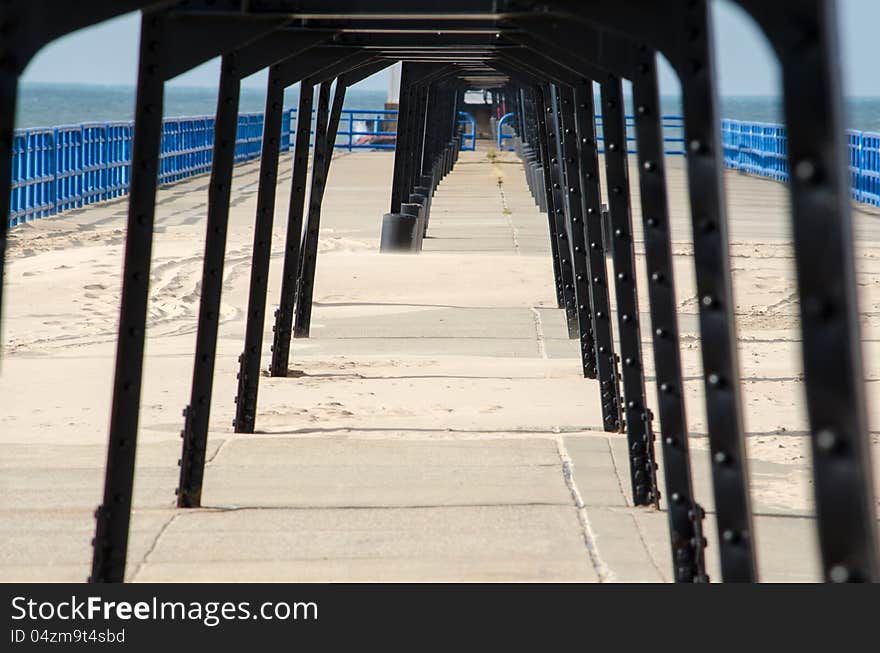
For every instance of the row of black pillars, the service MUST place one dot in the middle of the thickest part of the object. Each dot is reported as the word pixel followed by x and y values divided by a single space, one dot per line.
pixel 427 147
pixel 161 34
pixel 235 65
pixel 300 252
pixel 834 383
pixel 577 193
pixel 110 543
pixel 617 57
pixel 575 229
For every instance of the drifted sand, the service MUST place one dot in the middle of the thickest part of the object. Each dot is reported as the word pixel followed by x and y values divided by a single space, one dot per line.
pixel 426 427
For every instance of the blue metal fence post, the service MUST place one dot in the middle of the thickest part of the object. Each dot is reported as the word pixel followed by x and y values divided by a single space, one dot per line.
pixel 105 163
pixel 55 170
pixel 860 167
pixel 79 157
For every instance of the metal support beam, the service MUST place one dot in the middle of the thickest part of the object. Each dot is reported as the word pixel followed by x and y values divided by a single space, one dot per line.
pixel 162 36
pixel 638 417
pixel 805 37
pixel 197 413
pixel 685 515
pixel 404 118
pixel 249 361
pixel 265 51
pixel 567 154
pixel 591 203
pixel 290 274
pixel 111 536
pixel 564 41
pixel 715 293
pixel 320 166
pixel 556 221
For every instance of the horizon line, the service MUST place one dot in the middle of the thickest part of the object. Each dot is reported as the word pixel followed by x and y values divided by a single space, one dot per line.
pixel 202 87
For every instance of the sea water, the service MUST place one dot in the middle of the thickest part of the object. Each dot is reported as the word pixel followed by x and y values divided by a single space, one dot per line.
pixel 49 105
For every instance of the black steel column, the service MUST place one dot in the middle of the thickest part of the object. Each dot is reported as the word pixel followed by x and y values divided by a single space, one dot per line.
pixel 685 515
pixel 170 45
pixel 568 154
pixel 806 38
pixel 408 139
pixel 638 417
pixel 539 145
pixel 716 308
pixel 114 514
pixel 249 369
pixel 555 215
pixel 591 198
pixel 8 96
pixel 197 413
pixel 284 314
pixel 322 151
pixel 401 145
pixel 416 140
pixel 556 187
pixel 333 129
pixel 583 42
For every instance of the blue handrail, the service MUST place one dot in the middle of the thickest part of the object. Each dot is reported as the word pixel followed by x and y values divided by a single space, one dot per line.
pixel 68 167
pixel 56 169
pixel 673 134
pixel 468 137
pixel 762 149
pixel 369 129
pixel 501 135
pixel 756 148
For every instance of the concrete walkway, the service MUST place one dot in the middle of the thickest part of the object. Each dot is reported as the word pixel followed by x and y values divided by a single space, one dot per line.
pixel 434 427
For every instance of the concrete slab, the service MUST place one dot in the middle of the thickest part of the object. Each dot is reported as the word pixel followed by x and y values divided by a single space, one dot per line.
pixel 594 471
pixel 479 543
pixel 356 473
pixel 60 541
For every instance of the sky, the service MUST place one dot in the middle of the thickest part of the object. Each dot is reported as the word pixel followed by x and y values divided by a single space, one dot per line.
pixel 745 63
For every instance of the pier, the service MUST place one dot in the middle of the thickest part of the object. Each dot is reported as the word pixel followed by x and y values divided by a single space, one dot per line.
pixel 436 424
pixel 594 352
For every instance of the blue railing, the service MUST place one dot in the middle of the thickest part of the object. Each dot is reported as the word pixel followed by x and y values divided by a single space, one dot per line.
pixel 762 149
pixel 502 135
pixel 673 134
pixel 68 167
pixel 374 129
pixel 63 168
pixel 864 166
pixel 469 135
pixel 756 148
